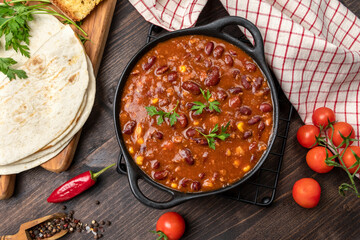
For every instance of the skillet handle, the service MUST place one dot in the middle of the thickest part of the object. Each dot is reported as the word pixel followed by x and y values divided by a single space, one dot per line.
pixel 121 166
pixel 134 174
pixel 257 49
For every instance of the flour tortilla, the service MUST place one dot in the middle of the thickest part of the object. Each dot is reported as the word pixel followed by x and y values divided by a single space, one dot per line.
pixel 39 109
pixel 47 154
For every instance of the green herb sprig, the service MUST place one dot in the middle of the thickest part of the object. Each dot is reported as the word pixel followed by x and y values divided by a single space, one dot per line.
pixel 328 143
pixel 199 106
pixel 213 134
pixel 14 18
pixel 172 115
pixel 11 73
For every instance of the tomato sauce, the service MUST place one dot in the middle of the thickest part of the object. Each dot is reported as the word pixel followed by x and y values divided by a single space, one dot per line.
pixel 176 78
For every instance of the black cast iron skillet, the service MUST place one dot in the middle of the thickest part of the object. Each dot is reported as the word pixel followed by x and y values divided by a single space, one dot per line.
pixel 214 29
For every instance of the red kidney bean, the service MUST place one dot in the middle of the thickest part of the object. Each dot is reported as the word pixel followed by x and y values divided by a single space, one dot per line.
pixel 191 87
pixel 150 63
pixel 209 48
pixel 195 186
pixel 195 115
pixel 244 82
pixel 155 164
pixel 197 58
pixel 187 155
pixel 189 105
pixel 235 102
pixel 247 134
pixel 129 127
pixel 172 76
pixel 218 51
pixel 228 60
pixel 254 119
pixel 261 126
pixel 201 175
pixel 235 73
pixel 232 52
pixel 190 132
pixel 235 90
pixel 251 67
pixel 221 95
pixel 266 91
pixel 158 135
pixel 207 63
pixel 201 141
pixel 257 83
pixel 183 121
pixel 245 110
pixel 160 175
pixel 161 70
pixel 183 182
pixel 266 107
pixel 213 77
pixel 252 145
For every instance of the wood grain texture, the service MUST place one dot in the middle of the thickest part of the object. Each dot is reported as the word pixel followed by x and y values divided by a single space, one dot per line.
pixel 208 218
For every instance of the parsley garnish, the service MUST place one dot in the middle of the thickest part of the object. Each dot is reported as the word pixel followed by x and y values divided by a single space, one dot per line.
pixel 213 134
pixel 11 73
pixel 14 17
pixel 172 115
pixel 199 106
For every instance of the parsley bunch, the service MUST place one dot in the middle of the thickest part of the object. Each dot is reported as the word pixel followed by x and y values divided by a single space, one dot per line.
pixel 14 18
pixel 172 115
pixel 199 106
pixel 213 134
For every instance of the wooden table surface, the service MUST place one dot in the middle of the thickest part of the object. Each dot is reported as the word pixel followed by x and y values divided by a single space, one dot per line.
pixel 208 218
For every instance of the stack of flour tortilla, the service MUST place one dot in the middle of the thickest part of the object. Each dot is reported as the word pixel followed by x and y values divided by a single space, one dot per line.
pixel 40 115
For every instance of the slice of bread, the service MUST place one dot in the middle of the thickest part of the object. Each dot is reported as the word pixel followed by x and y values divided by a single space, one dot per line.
pixel 76 9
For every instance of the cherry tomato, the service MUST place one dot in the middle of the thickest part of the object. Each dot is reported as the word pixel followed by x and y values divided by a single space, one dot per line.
pixel 306 192
pixel 171 224
pixel 349 158
pixel 306 135
pixel 315 159
pixel 322 115
pixel 345 129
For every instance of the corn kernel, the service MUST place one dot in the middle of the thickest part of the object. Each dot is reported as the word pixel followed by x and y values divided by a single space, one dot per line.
pixel 138 130
pixel 154 100
pixel 174 185
pixel 131 150
pixel 236 163
pixel 239 151
pixel 246 168
pixel 208 184
pixel 211 100
pixel 228 152
pixel 196 123
pixel 182 68
pixel 240 126
pixel 139 160
pixel 140 141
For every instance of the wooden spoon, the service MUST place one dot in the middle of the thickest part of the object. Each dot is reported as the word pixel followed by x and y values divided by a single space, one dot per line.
pixel 24 235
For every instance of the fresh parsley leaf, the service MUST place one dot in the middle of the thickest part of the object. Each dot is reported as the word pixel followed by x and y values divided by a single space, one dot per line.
pixel 199 106
pixel 172 115
pixel 213 134
pixel 11 73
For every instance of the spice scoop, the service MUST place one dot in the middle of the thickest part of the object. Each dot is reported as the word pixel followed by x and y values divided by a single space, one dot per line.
pixel 23 233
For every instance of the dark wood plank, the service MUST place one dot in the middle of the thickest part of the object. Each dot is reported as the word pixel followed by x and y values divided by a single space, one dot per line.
pixel 208 218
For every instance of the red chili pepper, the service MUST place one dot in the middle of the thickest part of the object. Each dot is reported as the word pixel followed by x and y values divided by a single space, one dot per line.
pixel 75 186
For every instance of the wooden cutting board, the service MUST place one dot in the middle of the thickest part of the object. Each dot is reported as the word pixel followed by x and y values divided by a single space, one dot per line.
pixel 97 26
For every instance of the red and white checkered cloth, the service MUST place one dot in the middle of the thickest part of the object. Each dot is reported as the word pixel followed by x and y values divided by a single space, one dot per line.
pixel 312 46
